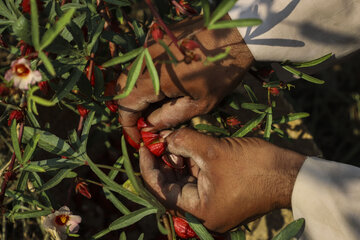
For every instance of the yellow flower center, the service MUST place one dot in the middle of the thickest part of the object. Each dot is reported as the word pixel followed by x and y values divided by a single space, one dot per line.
pixel 21 70
pixel 62 219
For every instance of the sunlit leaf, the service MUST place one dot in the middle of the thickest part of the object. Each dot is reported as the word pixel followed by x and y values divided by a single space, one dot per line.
pixel 206 9
pixel 31 214
pixel 47 63
pixel 218 57
pixel 292 117
pixel 312 62
pixel 251 93
pixel 237 235
pixel 131 218
pixel 35 32
pixel 211 129
pixel 254 106
pixel 235 23
pixel 198 228
pixel 124 58
pixel 303 75
pixel 269 118
pixel 30 148
pixel 221 10
pixel 249 126
pixel 152 71
pixel 291 230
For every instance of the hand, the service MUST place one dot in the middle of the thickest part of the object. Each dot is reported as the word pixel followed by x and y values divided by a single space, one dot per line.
pixel 187 90
pixel 232 180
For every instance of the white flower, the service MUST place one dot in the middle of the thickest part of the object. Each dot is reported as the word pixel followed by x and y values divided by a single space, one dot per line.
pixel 22 75
pixel 61 220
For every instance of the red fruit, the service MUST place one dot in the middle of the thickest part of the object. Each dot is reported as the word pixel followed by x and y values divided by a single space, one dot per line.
pixel 111 105
pixel 149 137
pixel 44 87
pixel 182 228
pixel 141 123
pixel 15 114
pixel 188 44
pixel 131 141
pixel 274 91
pixel 82 111
pixel 82 188
pixel 232 121
pixel 26 8
pixel 157 148
pixel 156 32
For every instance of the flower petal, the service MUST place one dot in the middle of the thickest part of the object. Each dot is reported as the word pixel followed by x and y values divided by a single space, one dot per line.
pixel 36 77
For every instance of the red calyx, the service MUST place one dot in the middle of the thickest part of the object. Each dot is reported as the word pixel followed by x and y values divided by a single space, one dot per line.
pixel 15 114
pixel 82 188
pixel 26 8
pixel 232 121
pixel 156 32
pixel 82 111
pixel 111 105
pixel 157 148
pixel 189 45
pixel 274 91
pixel 131 141
pixel 141 123
pixel 187 9
pixel 182 228
pixel 149 137
pixel 44 87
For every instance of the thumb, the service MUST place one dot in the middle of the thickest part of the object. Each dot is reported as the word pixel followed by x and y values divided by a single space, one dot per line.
pixel 175 112
pixel 191 144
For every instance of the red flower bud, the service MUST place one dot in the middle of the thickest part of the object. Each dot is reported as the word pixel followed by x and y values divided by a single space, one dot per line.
pixel 26 8
pixel 232 121
pixel 182 228
pixel 156 32
pixel 112 105
pixel 44 87
pixel 82 188
pixel 157 148
pixel 131 141
pixel 15 114
pixel 274 91
pixel 188 44
pixel 149 137
pixel 141 123
pixel 82 111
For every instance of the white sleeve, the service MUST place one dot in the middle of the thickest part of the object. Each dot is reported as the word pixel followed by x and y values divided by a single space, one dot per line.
pixel 327 195
pixel 300 30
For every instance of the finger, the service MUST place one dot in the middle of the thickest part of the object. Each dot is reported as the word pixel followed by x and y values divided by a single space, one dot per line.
pixel 185 197
pixel 175 112
pixel 189 143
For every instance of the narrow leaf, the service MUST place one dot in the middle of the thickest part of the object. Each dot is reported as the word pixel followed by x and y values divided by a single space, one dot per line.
pixel 69 85
pixel 132 77
pixel 211 129
pixel 249 126
pixel 221 10
pixel 198 228
pixel 30 148
pixel 153 72
pixel 101 233
pixel 124 58
pixel 58 163
pixel 235 23
pixel 86 129
pixel 96 36
pixel 237 235
pixel 312 62
pixel 218 57
pixel 31 214
pixel 169 52
pixel 55 30
pixel 251 93
pixel 47 63
pixel 35 33
pixel 206 11
pixel 269 118
pixel 291 230
pixel 114 200
pixel 131 218
pixel 15 141
pixel 33 168
pixel 60 175
pixel 254 106
pixel 292 117
pixel 42 101
pixel 303 75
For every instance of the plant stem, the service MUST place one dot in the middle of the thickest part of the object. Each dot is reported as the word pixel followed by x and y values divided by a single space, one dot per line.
pixel 167 226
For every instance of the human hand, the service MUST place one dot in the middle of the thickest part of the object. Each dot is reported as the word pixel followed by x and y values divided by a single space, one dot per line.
pixel 231 180
pixel 187 90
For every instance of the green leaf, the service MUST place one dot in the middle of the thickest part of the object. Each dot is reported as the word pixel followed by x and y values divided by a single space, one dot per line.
pixel 131 218
pixel 31 214
pixel 22 29
pixel 74 139
pixel 86 129
pixel 119 162
pixel 312 62
pixel 124 58
pixel 42 101
pixel 249 126
pixel 139 32
pixel 48 141
pixel 60 175
pixel 58 163
pixel 235 23
pixel 116 202
pixel 15 141
pixel 211 129
pixel 99 82
pixel 153 72
pixel 291 230
pixel 198 228
pixel 217 57
pixel 206 11
pixel 33 168
pixel 69 85
pixel 55 30
pixel 47 63
pixel 292 117
pixel 251 93
pixel 35 32
pixel 101 233
pixel 169 52
pixel 22 182
pixel 96 36
pixel 30 148
pixel 37 183
pixel 132 77
pixel 141 237
pixel 237 235
pixel 119 3
pixel 122 236
pixel 269 118
pixel 303 75
pixel 254 106
pixel 221 10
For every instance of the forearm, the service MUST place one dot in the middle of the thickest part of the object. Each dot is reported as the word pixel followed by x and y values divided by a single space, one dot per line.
pixel 300 30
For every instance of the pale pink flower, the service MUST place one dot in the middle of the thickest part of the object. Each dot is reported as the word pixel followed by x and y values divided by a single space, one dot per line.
pixel 21 74
pixel 60 220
